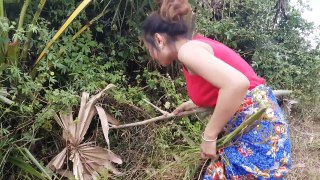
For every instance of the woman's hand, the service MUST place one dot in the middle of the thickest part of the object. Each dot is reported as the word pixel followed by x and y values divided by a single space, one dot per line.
pixel 186 106
pixel 208 148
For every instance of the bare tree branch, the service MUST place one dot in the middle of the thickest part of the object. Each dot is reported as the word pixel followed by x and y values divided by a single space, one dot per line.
pixel 163 117
pixel 156 107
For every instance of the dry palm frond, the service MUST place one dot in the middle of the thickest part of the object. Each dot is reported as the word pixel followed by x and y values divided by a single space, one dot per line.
pixel 87 159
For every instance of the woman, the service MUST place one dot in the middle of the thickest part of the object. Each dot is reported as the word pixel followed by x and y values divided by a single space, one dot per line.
pixel 217 76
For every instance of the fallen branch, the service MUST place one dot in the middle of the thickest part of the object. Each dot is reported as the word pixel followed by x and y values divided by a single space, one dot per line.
pixel 163 117
pixel 157 108
pixel 277 93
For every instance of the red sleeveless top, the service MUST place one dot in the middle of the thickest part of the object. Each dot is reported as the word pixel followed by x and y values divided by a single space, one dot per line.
pixel 203 93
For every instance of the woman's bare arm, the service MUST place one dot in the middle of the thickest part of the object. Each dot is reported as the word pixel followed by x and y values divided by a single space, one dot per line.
pixel 232 83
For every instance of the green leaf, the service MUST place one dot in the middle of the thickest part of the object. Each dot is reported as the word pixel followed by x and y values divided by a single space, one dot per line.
pixel 5 100
pixel 26 167
pixel 81 7
pixel 12 53
pixel 31 157
pixel 1 9
pixel 227 138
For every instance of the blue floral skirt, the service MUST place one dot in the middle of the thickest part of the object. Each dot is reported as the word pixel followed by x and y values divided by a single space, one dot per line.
pixel 263 152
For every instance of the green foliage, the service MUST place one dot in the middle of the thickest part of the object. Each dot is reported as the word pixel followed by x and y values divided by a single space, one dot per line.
pixel 26 167
pixel 273 44
pixel 110 51
pixel 3 98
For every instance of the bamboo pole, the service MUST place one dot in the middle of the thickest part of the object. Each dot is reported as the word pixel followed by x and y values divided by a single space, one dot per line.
pixel 29 33
pixel 85 27
pixel 1 9
pixel 23 13
pixel 75 13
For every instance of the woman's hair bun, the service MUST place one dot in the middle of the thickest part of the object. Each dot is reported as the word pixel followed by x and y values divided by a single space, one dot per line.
pixel 173 10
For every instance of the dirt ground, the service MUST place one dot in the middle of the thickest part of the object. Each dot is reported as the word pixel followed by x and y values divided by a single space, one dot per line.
pixel 305 142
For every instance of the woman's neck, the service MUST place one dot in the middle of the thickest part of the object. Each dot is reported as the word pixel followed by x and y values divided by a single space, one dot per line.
pixel 180 42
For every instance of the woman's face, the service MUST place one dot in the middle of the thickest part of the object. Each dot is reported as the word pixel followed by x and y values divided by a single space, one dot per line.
pixel 164 54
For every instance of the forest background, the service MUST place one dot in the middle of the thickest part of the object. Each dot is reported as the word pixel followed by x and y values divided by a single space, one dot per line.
pixel 43 72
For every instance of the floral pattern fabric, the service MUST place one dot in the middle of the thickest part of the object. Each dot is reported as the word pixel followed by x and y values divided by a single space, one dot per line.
pixel 263 152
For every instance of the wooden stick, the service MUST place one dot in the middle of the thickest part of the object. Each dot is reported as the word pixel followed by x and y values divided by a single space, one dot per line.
pixel 164 117
pixel 279 93
pixel 157 108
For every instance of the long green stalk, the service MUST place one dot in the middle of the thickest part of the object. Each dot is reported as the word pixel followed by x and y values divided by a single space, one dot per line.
pixel 3 36
pixel 3 94
pixel 85 27
pixel 192 154
pixel 1 9
pixel 13 48
pixel 33 159
pixel 29 33
pixel 26 167
pixel 23 13
pixel 12 53
pixel 76 12
pixel 11 1
pixel 243 126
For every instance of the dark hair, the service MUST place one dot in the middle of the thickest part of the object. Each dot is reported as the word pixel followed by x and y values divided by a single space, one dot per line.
pixel 156 24
pixel 169 19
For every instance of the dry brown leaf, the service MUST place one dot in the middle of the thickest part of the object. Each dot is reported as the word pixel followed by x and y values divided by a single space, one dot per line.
pixel 109 86
pixel 84 100
pixel 87 168
pixel 58 160
pixel 84 120
pixel 87 144
pixel 57 118
pixel 103 153
pixel 86 123
pixel 65 136
pixel 65 173
pixel 98 152
pixel 77 167
pixel 113 120
pixel 114 158
pixel 87 159
pixel 63 120
pixel 70 126
pixel 96 168
pixel 94 150
pixel 114 170
pixel 87 177
pixel 88 114
pixel 92 159
pixel 104 124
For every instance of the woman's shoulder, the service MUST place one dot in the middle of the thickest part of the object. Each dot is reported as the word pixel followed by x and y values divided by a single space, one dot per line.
pixel 194 45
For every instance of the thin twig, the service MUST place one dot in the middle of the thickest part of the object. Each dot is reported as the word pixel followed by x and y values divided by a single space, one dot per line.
pixel 17 129
pixel 163 117
pixel 202 168
pixel 157 108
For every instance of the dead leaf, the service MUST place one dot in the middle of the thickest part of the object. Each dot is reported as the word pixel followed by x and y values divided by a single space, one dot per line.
pixel 104 123
pixel 87 159
pixel 58 160
pixel 112 120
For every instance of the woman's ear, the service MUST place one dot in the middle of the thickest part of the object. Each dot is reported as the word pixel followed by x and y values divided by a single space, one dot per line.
pixel 159 40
